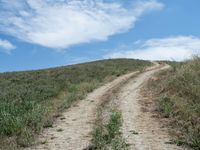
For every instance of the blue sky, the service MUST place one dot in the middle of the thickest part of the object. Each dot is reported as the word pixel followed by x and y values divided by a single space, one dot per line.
pixel 37 34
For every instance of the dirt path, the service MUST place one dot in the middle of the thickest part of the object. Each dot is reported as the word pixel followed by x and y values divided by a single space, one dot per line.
pixel 140 129
pixel 72 130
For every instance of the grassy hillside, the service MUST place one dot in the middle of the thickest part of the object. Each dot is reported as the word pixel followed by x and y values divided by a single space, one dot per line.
pixel 30 100
pixel 180 100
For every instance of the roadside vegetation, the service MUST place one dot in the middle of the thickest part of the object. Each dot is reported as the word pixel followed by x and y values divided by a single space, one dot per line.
pixel 30 100
pixel 108 136
pixel 179 100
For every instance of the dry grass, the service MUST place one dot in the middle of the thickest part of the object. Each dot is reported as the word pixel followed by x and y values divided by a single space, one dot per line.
pixel 179 90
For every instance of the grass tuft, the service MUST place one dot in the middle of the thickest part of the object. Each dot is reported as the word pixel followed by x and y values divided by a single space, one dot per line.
pixel 108 136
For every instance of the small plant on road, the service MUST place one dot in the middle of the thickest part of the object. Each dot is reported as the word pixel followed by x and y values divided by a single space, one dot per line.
pixel 108 136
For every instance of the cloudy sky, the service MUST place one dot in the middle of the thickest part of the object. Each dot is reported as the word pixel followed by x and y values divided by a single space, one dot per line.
pixel 37 34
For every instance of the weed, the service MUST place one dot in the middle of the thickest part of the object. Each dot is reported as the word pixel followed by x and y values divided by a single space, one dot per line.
pixel 108 136
pixel 134 132
pixel 166 106
pixel 44 142
pixel 59 130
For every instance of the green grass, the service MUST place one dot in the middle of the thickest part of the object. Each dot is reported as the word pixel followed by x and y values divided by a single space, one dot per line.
pixel 108 136
pixel 180 100
pixel 30 100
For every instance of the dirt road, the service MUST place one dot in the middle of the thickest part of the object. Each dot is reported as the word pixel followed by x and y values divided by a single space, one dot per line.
pixel 72 131
pixel 141 130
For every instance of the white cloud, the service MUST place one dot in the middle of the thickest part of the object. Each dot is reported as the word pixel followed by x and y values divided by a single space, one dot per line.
pixel 172 48
pixel 6 46
pixel 142 6
pixel 60 24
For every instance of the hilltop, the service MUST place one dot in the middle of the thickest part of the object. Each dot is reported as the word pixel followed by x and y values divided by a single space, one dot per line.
pixel 30 100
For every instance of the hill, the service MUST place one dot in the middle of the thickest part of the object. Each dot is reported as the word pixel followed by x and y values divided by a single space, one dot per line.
pixel 30 100
pixel 179 100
